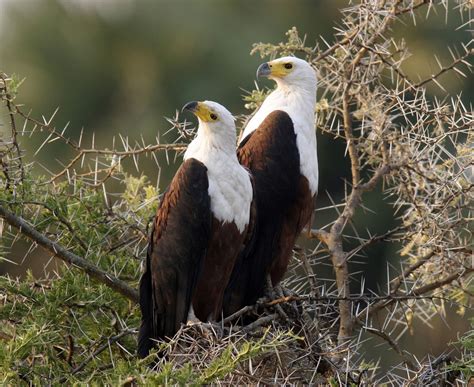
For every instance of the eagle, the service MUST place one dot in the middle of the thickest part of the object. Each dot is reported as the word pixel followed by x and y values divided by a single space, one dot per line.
pixel 199 230
pixel 278 146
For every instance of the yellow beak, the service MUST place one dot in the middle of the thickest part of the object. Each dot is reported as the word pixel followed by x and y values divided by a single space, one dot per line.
pixel 199 109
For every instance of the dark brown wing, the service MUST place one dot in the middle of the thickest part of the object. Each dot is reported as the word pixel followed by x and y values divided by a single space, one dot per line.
pixel 176 250
pixel 271 155
pixel 297 216
pixel 225 245
pixel 233 297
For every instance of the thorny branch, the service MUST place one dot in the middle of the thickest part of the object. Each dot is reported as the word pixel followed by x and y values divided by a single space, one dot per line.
pixel 67 256
pixel 117 155
pixel 7 98
pixel 98 351
pixel 349 77
pixel 415 293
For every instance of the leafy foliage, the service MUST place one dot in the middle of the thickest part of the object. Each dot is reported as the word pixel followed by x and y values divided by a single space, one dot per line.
pixel 466 364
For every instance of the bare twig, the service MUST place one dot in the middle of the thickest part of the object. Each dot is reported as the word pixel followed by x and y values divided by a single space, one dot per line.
pixel 391 342
pixel 452 65
pixel 260 322
pixel 396 282
pixel 419 291
pixel 10 107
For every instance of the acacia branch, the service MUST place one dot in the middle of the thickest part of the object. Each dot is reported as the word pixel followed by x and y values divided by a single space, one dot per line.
pixel 335 46
pixel 417 292
pixel 128 150
pixel 397 282
pixel 60 252
pixel 333 239
pixel 98 351
pixel 10 107
pixel 322 235
pixel 350 140
pixel 338 256
pixel 61 220
pixel 445 69
pixel 82 151
pixel 376 34
pixel 393 343
pixel 412 8
pixel 373 239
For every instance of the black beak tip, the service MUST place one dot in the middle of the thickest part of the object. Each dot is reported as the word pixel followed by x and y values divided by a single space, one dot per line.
pixel 190 106
pixel 263 70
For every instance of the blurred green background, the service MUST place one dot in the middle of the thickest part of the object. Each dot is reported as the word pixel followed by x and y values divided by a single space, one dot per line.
pixel 121 66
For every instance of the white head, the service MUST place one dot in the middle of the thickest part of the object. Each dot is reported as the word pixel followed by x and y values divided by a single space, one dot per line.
pixel 230 188
pixel 216 123
pixel 211 115
pixel 295 95
pixel 288 72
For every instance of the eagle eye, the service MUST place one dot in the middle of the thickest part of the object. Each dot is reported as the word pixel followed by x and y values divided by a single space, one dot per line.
pixel 288 66
pixel 213 116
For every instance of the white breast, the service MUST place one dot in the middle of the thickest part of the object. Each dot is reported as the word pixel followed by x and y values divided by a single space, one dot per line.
pixel 230 188
pixel 300 108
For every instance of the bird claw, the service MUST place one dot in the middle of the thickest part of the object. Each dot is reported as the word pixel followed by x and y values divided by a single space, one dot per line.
pixel 273 293
pixel 210 329
pixel 282 293
pixel 207 328
pixel 279 291
pixel 269 289
pixel 192 322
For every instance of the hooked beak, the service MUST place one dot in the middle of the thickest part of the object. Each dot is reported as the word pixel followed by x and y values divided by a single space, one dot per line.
pixel 201 110
pixel 191 106
pixel 264 70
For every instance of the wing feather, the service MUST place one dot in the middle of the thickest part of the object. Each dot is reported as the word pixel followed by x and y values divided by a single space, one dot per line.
pixel 271 154
pixel 177 246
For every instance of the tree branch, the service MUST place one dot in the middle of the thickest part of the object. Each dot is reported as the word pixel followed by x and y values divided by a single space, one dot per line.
pixel 396 282
pixel 98 351
pixel 10 107
pixel 393 343
pixel 417 292
pixel 60 252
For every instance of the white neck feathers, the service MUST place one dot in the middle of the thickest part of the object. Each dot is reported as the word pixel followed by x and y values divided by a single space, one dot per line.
pixel 298 100
pixel 230 188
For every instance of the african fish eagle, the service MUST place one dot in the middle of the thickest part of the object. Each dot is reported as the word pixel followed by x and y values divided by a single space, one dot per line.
pixel 278 146
pixel 199 230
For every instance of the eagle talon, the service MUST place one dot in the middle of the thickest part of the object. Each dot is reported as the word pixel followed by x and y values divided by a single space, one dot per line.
pixel 283 293
pixel 269 289
pixel 273 293
pixel 279 291
pixel 293 304
pixel 208 329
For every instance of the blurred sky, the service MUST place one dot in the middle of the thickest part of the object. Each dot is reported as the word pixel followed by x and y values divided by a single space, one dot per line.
pixel 120 66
